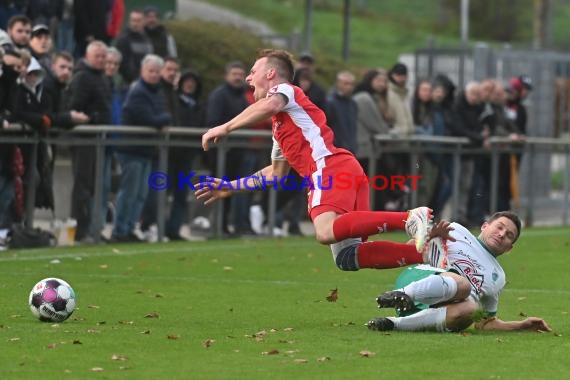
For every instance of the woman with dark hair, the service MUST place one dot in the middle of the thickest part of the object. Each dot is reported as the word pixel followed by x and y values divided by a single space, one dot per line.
pixel 443 94
pixel 370 97
pixel 421 107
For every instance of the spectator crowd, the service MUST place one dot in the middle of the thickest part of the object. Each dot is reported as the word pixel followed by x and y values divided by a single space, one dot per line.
pixel 66 63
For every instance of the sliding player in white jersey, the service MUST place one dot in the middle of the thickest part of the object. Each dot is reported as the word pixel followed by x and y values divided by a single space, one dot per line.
pixel 432 299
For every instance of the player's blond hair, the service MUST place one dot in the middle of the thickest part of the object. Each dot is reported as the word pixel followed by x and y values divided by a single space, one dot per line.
pixel 281 60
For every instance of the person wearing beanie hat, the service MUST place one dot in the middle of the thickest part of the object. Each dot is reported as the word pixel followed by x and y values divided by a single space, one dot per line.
pixel 520 88
pixel 398 100
pixel 399 69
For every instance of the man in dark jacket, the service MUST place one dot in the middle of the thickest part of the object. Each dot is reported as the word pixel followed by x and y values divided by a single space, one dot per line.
pixel 224 103
pixel 467 123
pixel 133 45
pixel 90 23
pixel 341 111
pixel 168 76
pixel 57 79
pixel 145 105
pixel 162 41
pixel 89 93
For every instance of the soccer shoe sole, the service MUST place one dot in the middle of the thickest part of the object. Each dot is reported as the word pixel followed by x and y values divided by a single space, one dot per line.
pixel 380 324
pixel 396 299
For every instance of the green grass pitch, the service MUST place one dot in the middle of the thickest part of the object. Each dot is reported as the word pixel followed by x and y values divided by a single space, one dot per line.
pixel 257 309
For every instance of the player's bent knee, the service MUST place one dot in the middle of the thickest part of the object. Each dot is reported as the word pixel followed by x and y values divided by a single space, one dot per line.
pixel 324 236
pixel 460 315
pixel 463 285
pixel 344 254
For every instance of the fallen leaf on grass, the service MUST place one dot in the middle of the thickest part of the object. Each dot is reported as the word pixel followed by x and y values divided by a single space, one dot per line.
pixel 77 341
pixel 158 295
pixel 273 330
pixel 521 298
pixel 126 322
pixel 286 341
pixel 208 342
pixel 119 357
pixel 51 345
pixel 103 266
pixel 272 352
pixel 145 332
pixel 260 335
pixel 300 361
pixel 291 352
pixel 499 340
pixel 367 354
pixel 101 323
pixel 228 268
pixel 16 316
pixel 557 335
pixel 288 329
pixel 97 369
pixel 333 295
pixel 93 306
pixel 13 339
pixel 323 359
pixel 115 250
pixel 152 315
pixel 93 331
pixel 173 336
pixel 523 314
pixel 123 367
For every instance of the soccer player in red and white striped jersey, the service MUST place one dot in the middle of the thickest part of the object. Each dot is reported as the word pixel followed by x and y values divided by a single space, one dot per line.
pixel 302 140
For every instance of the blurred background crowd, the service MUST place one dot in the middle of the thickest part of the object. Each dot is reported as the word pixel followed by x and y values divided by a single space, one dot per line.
pixel 67 63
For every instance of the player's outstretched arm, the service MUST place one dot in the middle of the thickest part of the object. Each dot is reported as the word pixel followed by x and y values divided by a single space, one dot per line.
pixel 530 324
pixel 219 188
pixel 255 113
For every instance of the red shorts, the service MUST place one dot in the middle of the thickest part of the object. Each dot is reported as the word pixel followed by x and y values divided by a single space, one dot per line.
pixel 338 186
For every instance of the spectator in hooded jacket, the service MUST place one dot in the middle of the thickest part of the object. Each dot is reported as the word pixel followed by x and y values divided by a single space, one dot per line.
pixel 163 43
pixel 190 114
pixel 34 107
pixel 133 44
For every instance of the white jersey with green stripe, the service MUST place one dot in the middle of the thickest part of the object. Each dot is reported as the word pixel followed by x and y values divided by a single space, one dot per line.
pixel 471 259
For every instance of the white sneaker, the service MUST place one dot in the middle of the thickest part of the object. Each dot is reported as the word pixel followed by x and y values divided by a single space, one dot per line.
pixel 418 225
pixel 256 218
pixel 435 253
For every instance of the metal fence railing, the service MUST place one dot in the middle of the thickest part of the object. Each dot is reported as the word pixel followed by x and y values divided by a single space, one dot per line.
pixel 102 136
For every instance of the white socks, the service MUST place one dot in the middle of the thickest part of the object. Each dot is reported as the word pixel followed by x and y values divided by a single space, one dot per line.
pixel 432 289
pixel 425 320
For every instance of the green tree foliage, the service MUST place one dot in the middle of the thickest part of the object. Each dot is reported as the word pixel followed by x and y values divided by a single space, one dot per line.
pixel 496 20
